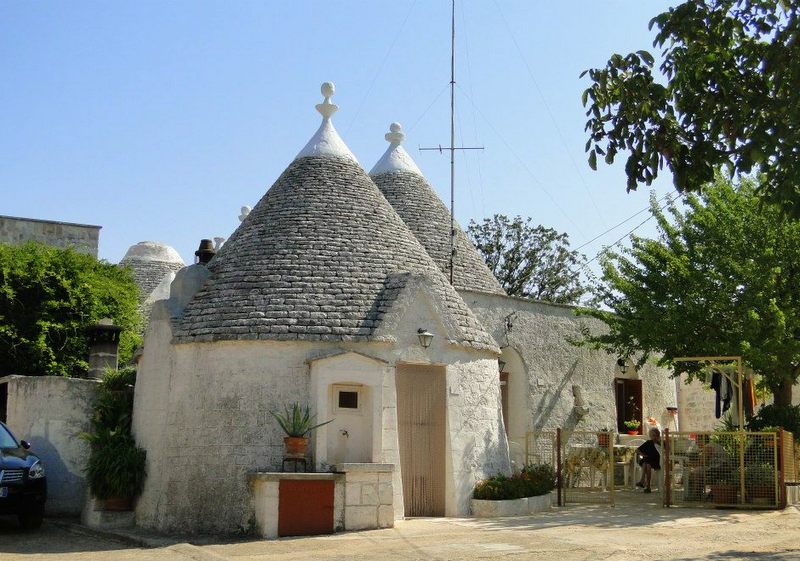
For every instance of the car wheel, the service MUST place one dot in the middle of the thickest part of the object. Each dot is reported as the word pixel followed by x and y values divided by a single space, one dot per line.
pixel 31 520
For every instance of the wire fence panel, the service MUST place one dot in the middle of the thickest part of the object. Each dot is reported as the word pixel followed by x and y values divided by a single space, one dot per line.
pixel 540 448
pixel 587 467
pixel 722 469
pixel 789 458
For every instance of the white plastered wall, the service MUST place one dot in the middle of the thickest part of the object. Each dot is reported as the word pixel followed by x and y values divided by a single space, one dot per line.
pixel 541 333
pixel 351 435
pixel 202 412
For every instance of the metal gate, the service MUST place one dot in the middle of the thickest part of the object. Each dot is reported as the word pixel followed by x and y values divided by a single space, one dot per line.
pixel 583 462
pixel 732 469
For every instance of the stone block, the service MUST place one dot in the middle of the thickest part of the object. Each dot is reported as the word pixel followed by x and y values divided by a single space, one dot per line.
pixel 352 493
pixel 385 516
pixel 360 517
pixel 385 493
pixel 369 494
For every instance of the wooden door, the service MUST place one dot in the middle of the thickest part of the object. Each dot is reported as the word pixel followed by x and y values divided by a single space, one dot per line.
pixel 629 402
pixel 421 426
pixel 305 507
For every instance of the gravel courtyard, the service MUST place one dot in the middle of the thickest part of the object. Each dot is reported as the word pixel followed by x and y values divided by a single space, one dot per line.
pixel 574 533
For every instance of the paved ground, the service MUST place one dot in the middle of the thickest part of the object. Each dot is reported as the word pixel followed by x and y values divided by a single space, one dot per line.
pixel 635 532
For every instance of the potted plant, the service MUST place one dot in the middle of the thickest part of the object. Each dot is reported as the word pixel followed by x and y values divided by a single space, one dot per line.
pixel 632 426
pixel 723 479
pixel 297 422
pixel 115 470
pixel 759 483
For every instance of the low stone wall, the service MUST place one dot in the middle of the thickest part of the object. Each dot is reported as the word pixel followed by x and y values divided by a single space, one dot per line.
pixel 368 496
pixel 363 497
pixel 50 413
pixel 83 237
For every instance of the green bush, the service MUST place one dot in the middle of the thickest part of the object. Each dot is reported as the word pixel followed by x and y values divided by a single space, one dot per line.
pixel 116 466
pixel 532 481
pixel 542 477
pixel 48 297
pixel 770 416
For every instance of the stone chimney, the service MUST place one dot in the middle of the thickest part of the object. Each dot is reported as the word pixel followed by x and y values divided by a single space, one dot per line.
pixel 103 347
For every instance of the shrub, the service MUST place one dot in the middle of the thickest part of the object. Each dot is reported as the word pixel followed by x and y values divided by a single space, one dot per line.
pixel 542 477
pixel 48 296
pixel 769 416
pixel 116 466
pixel 532 481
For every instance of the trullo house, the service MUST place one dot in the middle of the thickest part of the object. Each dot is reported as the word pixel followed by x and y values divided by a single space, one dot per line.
pixel 323 289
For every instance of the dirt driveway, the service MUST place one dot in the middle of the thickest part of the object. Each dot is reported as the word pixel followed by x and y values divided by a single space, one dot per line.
pixel 568 534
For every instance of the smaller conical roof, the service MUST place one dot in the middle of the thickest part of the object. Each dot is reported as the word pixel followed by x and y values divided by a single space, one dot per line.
pixel 407 190
pixel 151 262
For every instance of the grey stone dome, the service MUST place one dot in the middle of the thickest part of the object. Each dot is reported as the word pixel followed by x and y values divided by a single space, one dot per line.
pixel 150 263
pixel 322 256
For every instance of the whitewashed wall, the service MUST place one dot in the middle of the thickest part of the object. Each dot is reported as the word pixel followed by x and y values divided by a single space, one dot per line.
pixel 50 412
pixel 541 335
pixel 202 412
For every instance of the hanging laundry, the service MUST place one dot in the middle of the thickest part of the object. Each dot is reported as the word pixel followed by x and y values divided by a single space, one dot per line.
pixel 716 385
pixel 726 392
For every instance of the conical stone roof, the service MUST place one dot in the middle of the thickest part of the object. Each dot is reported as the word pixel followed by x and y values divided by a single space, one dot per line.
pixel 320 257
pixel 404 186
pixel 150 263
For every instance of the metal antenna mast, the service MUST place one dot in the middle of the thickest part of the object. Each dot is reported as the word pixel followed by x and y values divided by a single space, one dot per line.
pixel 452 148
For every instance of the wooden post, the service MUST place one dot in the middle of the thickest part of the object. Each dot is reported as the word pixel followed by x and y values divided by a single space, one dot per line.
pixel 666 493
pixel 559 478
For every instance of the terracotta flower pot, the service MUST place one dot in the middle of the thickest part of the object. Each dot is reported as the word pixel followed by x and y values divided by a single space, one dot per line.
pixel 295 446
pixel 633 432
pixel 117 504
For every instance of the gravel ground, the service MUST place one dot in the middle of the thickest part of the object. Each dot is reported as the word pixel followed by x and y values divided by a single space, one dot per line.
pixel 635 532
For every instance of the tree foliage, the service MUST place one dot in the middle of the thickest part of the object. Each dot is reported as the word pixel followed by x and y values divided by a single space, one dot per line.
pixel 529 261
pixel 729 96
pixel 48 296
pixel 721 280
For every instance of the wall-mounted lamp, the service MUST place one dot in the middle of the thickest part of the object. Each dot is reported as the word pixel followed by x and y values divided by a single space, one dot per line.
pixel 425 337
pixel 623 365
pixel 501 364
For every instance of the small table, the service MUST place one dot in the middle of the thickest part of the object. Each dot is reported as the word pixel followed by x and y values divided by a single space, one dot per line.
pixel 295 461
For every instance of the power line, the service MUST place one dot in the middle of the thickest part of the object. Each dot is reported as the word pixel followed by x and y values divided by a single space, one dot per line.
pixel 631 217
pixel 521 162
pixel 383 63
pixel 547 107
pixel 642 223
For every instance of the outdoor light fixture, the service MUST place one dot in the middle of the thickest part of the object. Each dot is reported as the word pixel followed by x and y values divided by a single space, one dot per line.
pixel 425 337
pixel 623 365
pixel 501 364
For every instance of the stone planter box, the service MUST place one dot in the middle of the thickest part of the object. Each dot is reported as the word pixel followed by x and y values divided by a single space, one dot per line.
pixel 542 503
pixel 512 507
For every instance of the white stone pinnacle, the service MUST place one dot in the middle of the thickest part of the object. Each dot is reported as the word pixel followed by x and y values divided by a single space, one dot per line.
pixel 326 142
pixel 395 158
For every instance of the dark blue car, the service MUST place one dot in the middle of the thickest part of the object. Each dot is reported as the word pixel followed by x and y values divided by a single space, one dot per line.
pixel 23 485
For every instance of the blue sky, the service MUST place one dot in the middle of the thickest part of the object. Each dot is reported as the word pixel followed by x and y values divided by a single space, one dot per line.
pixel 159 120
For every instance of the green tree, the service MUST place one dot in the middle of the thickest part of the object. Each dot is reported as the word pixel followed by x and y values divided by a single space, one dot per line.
pixel 722 279
pixel 48 296
pixel 529 261
pixel 728 95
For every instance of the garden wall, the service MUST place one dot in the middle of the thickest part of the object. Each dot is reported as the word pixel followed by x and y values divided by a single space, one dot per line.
pixel 50 413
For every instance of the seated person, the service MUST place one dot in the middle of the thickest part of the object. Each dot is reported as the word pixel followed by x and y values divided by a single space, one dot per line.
pixel 649 458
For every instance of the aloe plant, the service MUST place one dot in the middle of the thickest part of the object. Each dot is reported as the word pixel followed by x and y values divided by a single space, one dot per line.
pixel 297 421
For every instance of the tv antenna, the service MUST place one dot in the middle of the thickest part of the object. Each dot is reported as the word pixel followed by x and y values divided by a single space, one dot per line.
pixel 452 148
